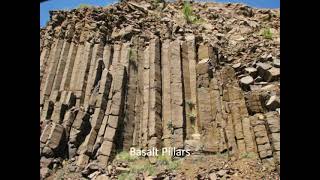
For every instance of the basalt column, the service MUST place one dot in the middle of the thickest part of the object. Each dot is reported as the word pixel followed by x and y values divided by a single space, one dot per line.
pixel 113 114
pixel 80 72
pixel 237 110
pixel 167 128
pixel 176 91
pixel 190 84
pixel 52 67
pixel 154 124
pixel 130 113
pixel 206 123
pixel 137 135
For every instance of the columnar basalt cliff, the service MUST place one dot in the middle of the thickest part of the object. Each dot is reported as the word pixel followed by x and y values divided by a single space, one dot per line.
pixel 137 74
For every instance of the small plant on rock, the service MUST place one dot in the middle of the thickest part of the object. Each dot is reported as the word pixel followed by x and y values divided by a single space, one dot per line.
pixel 125 156
pixel 126 176
pixel 267 34
pixel 192 117
pixel 249 155
pixel 190 103
pixel 188 13
pixel 83 6
pixel 170 127
pixel 173 165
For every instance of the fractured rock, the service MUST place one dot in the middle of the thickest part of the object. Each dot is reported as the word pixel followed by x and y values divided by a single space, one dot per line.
pixel 245 82
pixel 273 103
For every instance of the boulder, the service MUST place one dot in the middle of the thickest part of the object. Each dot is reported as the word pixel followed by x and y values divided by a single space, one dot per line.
pixel 271 74
pixel 276 63
pixel 273 103
pixel 245 82
pixel 251 71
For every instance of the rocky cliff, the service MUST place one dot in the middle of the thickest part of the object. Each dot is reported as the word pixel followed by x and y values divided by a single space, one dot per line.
pixel 150 74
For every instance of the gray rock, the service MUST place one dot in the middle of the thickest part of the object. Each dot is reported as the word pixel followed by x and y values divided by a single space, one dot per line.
pixel 47 152
pixel 102 177
pixel 246 80
pixel 271 74
pixel 258 79
pixel 236 66
pixel 263 66
pixel 276 63
pixel 213 176
pixel 45 172
pixel 93 175
pixel 72 168
pixel 222 172
pixel 46 162
pixel 251 71
pixel 92 166
pixel 273 103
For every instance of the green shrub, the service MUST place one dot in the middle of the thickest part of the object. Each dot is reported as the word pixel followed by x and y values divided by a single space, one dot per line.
pixel 126 176
pixel 192 116
pixel 167 162
pixel 223 154
pixel 249 155
pixel 188 13
pixel 163 159
pixel 173 165
pixel 136 168
pixel 125 156
pixel 170 127
pixel 84 6
pixel 267 34
pixel 190 103
pixel 131 53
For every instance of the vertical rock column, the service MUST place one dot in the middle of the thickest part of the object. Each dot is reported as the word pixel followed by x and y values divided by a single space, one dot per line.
pixel 71 58
pixel 81 70
pixel 62 62
pixel 145 107
pixel 44 56
pixel 206 122
pixel 154 124
pixel 273 127
pixel 166 94
pixel 261 136
pixel 95 68
pixel 52 68
pixel 237 107
pixel 116 53
pixel 78 131
pixel 100 106
pixel 114 115
pixel 66 77
pixel 189 81
pixel 137 136
pixel 176 87
pixel 228 89
pixel 130 114
pixel 249 137
pixel 216 108
pixel 107 61
pixel 44 69
pixel 107 55
pixel 124 54
pixel 106 99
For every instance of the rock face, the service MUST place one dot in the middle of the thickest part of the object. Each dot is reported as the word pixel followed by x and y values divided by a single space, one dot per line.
pixel 119 77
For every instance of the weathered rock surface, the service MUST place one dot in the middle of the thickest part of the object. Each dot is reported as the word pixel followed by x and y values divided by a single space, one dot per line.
pixel 137 74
